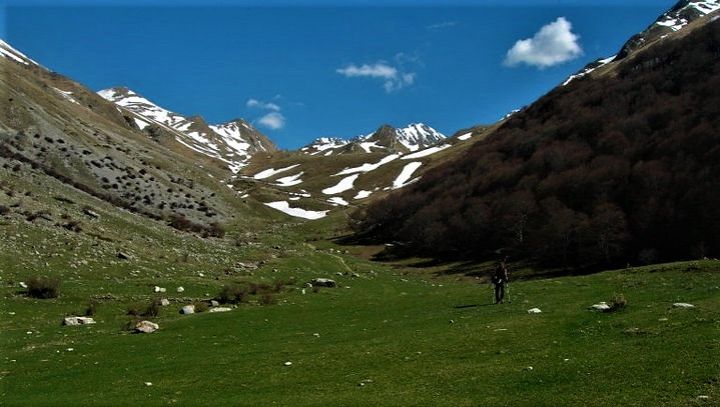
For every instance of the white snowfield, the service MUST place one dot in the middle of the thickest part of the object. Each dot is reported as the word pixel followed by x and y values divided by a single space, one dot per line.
pixel 587 71
pixel 67 95
pixel 369 167
pixel 7 51
pixel 362 194
pixel 284 206
pixel 338 201
pixel 465 136
pixel 426 152
pixel 270 172
pixel 405 175
pixel 345 184
pixel 367 146
pixel 289 180
pixel 141 124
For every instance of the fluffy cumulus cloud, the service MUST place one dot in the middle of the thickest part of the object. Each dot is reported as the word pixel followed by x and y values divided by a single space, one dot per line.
pixel 262 105
pixel 554 44
pixel 394 78
pixel 273 120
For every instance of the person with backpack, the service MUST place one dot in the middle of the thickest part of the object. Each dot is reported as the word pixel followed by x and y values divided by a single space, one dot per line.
pixel 500 280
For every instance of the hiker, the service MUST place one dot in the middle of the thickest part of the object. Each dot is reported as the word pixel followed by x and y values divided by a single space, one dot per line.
pixel 500 280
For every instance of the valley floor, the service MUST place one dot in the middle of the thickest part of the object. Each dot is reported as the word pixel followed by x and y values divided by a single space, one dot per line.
pixel 388 336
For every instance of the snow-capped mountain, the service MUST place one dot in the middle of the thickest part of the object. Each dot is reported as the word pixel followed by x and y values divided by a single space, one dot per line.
pixel 7 51
pixel 386 138
pixel 678 17
pixel 233 142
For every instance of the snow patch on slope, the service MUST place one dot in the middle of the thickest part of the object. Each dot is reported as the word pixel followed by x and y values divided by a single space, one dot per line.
pixel 270 172
pixel 284 206
pixel 404 178
pixel 345 184
pixel 426 152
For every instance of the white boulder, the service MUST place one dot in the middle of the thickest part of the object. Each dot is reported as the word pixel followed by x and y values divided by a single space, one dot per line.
pixel 146 327
pixel 164 302
pixel 682 305
pixel 601 306
pixel 534 311
pixel 188 309
pixel 180 289
pixel 73 321
pixel 323 282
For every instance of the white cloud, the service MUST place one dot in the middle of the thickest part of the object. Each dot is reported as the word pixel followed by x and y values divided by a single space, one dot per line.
pixel 262 105
pixel 441 25
pixel 554 44
pixel 394 79
pixel 273 120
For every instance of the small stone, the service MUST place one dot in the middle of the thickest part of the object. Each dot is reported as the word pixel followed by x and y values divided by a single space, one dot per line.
pixel 146 327
pixel 220 309
pixel 601 306
pixel 703 397
pixel 682 305
pixel 73 321
pixel 317 335
pixel 534 311
pixel 529 368
pixel 180 289
pixel 214 303
pixel 288 363
pixel 148 384
pixel 188 309
pixel 70 349
pixel 323 282
pixel 164 302
pixel 23 285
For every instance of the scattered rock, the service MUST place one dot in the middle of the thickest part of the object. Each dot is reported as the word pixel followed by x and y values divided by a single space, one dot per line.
pixel 214 303
pixel 180 289
pixel 91 213
pixel 601 306
pixel 23 285
pixel 123 256
pixel 160 289
pixel 220 309
pixel 73 321
pixel 288 363
pixel 534 311
pixel 164 302
pixel 146 327
pixel 188 309
pixel 323 282
pixel 148 384
pixel 682 305
pixel 529 368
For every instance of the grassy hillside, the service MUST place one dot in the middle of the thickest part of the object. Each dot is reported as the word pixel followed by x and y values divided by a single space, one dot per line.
pixel 389 334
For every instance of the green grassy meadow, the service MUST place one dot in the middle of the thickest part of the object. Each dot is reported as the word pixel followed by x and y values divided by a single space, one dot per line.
pixel 392 336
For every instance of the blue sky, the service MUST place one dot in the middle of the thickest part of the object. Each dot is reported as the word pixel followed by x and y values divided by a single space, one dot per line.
pixel 315 69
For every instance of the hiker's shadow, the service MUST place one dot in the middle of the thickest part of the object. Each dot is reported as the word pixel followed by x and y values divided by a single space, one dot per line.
pixel 471 306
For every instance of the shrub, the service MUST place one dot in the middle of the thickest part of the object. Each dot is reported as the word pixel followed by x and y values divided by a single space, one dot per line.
pixel 618 303
pixel 232 294
pixel 43 287
pixel 268 299
pixel 201 306
pixel 91 309
pixel 145 310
